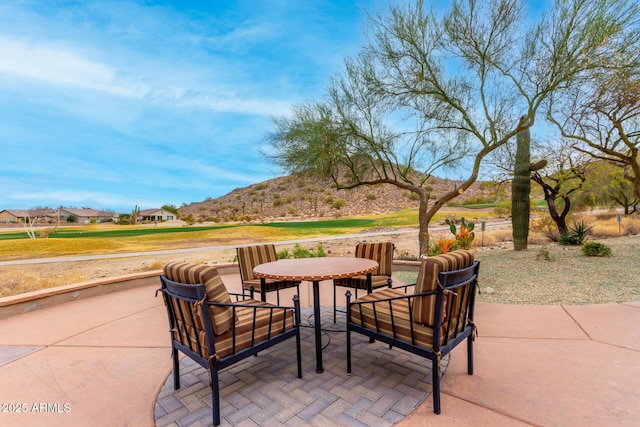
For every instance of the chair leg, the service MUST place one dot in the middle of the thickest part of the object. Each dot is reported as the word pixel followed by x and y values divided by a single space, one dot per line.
pixel 176 369
pixel 334 303
pixel 435 379
pixel 348 351
pixel 470 355
pixel 348 296
pixel 215 395
pixel 298 357
pixel 296 304
pixel 263 290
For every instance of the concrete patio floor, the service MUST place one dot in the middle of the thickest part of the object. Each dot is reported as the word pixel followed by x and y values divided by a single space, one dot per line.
pixel 103 360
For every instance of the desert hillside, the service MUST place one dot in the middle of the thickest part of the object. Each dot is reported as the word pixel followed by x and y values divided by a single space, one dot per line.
pixel 299 197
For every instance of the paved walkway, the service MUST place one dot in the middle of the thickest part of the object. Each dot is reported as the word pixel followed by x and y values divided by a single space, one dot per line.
pixel 385 387
pixel 103 361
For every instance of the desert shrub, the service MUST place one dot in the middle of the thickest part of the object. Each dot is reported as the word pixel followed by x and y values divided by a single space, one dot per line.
pixel 545 226
pixel 300 252
pixel 371 196
pixel 502 210
pixel 338 204
pixel 277 202
pixel 495 237
pixel 543 254
pixel 405 255
pixel 189 219
pixel 476 200
pixel 156 265
pixel 632 227
pixel 283 254
pixel 45 233
pixel 596 249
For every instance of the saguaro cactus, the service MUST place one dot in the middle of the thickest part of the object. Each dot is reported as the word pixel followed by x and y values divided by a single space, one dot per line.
pixel 520 190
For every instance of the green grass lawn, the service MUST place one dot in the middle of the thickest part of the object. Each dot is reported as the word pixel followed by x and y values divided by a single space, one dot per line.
pixel 70 233
pixel 110 238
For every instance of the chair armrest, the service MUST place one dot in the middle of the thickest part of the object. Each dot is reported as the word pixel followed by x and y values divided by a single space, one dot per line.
pixel 263 307
pixel 405 287
pixel 238 297
pixel 422 294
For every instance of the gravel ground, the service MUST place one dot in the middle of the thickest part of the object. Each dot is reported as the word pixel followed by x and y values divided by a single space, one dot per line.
pixel 569 277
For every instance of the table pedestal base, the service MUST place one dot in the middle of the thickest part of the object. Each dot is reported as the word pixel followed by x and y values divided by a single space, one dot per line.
pixel 317 325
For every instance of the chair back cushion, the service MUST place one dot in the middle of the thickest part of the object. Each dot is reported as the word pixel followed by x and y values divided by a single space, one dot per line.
pixel 207 275
pixel 251 256
pixel 380 252
pixel 430 268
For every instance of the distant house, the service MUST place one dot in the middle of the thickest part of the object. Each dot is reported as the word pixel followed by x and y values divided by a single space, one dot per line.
pixel 86 216
pixel 156 215
pixel 19 216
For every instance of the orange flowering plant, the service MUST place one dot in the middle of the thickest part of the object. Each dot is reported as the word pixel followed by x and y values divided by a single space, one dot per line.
pixel 464 235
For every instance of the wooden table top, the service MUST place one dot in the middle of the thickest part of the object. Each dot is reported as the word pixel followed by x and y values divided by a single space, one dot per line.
pixel 313 269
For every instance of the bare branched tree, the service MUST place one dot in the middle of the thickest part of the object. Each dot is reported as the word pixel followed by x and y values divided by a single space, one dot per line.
pixel 432 91
pixel 561 179
pixel 602 114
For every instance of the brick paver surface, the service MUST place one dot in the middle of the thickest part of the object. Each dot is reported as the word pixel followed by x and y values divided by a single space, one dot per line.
pixel 386 385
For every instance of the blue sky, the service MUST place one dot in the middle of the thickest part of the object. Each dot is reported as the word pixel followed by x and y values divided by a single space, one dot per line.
pixel 112 104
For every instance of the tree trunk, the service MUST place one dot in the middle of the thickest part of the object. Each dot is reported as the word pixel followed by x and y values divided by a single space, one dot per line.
pixel 559 219
pixel 423 221
pixel 550 194
pixel 521 189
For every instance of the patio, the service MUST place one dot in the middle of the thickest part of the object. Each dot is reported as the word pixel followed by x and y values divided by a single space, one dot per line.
pixel 104 360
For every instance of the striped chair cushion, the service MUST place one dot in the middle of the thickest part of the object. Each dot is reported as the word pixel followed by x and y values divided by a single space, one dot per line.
pixel 400 328
pixel 268 323
pixel 430 268
pixel 193 274
pixel 360 282
pixel 380 252
pixel 270 285
pixel 251 256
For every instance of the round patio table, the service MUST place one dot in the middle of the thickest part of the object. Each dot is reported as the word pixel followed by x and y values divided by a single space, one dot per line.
pixel 314 270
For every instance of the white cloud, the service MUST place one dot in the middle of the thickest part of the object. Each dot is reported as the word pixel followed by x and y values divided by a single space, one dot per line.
pixel 55 65
pixel 48 63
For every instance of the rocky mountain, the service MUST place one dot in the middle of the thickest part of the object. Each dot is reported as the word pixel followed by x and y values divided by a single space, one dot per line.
pixel 297 197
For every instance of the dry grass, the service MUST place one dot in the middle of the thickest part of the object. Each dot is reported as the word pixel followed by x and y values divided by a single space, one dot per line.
pixel 21 279
pixel 15 283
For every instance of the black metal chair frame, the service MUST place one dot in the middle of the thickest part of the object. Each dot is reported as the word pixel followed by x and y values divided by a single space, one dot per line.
pixel 454 282
pixel 195 294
